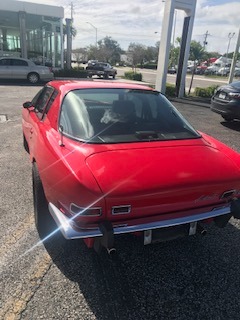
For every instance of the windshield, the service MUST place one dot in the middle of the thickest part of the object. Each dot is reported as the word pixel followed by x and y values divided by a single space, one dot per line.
pixel 121 115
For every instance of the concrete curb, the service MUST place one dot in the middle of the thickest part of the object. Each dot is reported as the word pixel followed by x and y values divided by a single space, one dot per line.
pixel 197 102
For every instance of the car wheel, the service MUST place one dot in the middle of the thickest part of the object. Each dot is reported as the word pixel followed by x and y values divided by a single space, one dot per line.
pixel 113 76
pixel 43 220
pixel 25 144
pixel 227 118
pixel 106 76
pixel 33 77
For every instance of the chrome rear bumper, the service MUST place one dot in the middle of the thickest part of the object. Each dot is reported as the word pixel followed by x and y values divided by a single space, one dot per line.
pixel 65 224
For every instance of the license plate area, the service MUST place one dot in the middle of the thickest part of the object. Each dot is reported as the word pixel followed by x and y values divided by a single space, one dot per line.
pixel 222 95
pixel 169 233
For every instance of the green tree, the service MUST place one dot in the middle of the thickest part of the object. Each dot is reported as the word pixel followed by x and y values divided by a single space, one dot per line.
pixel 92 53
pixel 197 51
pixel 136 54
pixel 197 54
pixel 151 54
pixel 110 50
pixel 73 31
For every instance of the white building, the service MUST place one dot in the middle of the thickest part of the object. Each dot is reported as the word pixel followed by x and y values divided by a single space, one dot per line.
pixel 32 31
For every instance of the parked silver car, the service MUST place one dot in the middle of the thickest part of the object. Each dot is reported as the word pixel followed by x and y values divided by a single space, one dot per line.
pixel 224 71
pixel 18 68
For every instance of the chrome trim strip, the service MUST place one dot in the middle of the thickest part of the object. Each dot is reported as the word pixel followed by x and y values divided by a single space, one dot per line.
pixel 82 211
pixel 64 223
pixel 127 206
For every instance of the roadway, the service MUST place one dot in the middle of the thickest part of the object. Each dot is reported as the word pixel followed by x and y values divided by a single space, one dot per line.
pixel 149 76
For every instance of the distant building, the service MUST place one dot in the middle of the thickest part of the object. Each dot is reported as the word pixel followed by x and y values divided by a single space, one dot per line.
pixel 32 31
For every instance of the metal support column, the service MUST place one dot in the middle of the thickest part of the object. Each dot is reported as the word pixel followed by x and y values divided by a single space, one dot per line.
pixel 69 43
pixel 23 36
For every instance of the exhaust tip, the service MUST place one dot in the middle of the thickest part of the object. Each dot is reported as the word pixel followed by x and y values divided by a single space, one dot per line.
pixel 111 251
pixel 201 230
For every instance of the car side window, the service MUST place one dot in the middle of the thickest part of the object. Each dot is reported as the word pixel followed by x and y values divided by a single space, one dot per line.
pixel 50 102
pixel 41 100
pixel 5 62
pixel 17 62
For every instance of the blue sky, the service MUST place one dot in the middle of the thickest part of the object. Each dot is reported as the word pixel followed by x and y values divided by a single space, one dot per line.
pixel 140 21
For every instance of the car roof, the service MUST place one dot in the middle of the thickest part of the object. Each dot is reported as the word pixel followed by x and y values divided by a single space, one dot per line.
pixel 14 58
pixel 68 85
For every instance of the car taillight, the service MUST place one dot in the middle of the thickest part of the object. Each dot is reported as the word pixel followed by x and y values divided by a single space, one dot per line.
pixel 88 211
pixel 234 95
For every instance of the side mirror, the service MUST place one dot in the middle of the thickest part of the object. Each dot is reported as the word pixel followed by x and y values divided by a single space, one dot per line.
pixel 27 104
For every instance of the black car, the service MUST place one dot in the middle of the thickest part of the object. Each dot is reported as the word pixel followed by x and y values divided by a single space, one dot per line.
pixel 172 70
pixel 226 101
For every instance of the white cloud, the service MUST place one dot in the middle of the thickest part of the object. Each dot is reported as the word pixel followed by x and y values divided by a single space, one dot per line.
pixel 138 20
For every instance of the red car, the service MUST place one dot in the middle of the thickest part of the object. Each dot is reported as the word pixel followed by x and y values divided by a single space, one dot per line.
pixel 110 158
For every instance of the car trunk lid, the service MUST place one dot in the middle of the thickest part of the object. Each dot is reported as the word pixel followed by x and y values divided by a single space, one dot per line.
pixel 151 181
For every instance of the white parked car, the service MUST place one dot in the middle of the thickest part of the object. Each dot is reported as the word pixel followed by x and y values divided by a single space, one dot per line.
pixel 224 71
pixel 18 68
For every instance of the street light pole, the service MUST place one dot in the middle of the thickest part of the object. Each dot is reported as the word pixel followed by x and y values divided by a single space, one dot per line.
pixel 95 30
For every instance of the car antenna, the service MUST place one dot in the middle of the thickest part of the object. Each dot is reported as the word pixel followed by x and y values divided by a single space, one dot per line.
pixel 61 132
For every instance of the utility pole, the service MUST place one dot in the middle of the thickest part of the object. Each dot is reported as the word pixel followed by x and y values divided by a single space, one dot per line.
pixel 205 39
pixel 234 60
pixel 230 36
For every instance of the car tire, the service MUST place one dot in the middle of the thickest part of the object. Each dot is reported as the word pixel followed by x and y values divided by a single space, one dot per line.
pixel 106 76
pixel 43 220
pixel 33 77
pixel 113 76
pixel 25 144
pixel 227 118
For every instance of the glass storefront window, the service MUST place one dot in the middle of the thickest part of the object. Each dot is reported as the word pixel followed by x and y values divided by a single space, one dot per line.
pixel 43 38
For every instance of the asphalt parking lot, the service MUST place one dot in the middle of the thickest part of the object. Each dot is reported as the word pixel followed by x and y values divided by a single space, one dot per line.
pixel 192 278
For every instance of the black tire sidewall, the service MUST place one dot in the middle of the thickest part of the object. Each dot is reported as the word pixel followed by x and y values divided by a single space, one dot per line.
pixel 41 212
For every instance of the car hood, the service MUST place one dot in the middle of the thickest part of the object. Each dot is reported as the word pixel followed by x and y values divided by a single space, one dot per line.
pixel 148 170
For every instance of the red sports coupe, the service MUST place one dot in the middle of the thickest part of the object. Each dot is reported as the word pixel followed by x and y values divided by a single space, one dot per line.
pixel 110 158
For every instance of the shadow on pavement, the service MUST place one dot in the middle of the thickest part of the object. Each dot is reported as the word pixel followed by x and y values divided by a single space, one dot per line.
pixel 20 83
pixel 234 125
pixel 190 278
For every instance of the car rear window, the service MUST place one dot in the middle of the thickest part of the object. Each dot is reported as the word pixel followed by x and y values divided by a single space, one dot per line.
pixel 236 84
pixel 122 115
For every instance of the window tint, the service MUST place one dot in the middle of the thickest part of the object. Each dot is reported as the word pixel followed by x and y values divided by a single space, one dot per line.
pixel 236 84
pixel 17 62
pixel 50 101
pixel 41 100
pixel 5 62
pixel 122 115
pixel 74 117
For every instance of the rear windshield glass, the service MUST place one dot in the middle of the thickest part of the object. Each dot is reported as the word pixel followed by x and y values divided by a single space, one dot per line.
pixel 236 84
pixel 121 115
